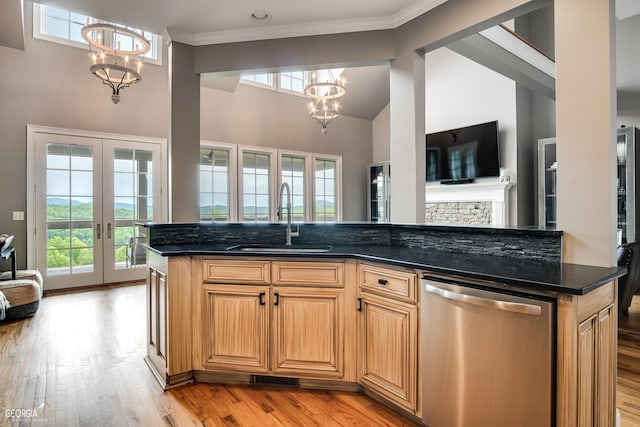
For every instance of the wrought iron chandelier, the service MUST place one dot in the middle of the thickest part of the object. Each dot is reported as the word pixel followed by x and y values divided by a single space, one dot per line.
pixel 111 61
pixel 323 93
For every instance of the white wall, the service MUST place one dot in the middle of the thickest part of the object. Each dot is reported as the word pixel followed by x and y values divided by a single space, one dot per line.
pixel 262 117
pixel 50 84
pixel 460 92
pixel 381 135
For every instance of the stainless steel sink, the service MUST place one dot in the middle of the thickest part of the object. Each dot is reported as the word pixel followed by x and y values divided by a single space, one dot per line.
pixel 280 248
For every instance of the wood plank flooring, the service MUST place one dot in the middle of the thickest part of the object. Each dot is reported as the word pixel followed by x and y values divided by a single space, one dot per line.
pixel 628 391
pixel 79 362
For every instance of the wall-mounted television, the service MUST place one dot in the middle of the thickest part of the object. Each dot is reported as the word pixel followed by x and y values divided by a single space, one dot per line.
pixel 463 154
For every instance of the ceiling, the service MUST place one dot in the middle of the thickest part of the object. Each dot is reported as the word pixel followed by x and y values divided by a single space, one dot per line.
pixel 199 22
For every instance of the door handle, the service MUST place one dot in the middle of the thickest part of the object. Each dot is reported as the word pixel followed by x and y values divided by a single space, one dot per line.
pixel 261 298
pixel 359 304
pixel 108 230
pixel 98 231
pixel 515 307
pixel 277 299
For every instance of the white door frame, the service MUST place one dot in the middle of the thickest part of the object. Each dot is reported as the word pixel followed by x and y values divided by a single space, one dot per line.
pixel 32 130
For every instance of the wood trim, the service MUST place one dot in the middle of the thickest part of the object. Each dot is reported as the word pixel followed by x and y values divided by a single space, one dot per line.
pixel 90 288
pixel 350 321
pixel 179 326
pixel 595 301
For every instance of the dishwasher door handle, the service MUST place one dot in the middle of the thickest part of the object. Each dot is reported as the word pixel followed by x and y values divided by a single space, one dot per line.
pixel 515 307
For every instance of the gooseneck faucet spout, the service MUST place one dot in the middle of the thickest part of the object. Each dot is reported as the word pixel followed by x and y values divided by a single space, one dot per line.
pixel 285 186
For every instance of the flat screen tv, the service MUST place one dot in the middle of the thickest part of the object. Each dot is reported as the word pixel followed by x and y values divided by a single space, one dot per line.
pixel 463 154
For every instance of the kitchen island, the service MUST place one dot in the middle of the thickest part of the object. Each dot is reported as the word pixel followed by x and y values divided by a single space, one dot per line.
pixel 349 317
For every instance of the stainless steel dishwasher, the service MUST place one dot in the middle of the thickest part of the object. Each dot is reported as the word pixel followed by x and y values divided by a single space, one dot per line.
pixel 487 358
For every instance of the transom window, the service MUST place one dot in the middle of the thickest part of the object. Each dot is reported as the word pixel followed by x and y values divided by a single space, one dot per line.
pixel 63 26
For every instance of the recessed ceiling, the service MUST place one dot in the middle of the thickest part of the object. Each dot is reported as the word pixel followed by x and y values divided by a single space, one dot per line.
pixel 200 22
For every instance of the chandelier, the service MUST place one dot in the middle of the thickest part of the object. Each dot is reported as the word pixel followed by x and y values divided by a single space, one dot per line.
pixel 323 93
pixel 110 60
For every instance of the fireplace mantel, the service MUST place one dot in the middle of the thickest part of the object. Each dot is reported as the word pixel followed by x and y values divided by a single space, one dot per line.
pixel 484 191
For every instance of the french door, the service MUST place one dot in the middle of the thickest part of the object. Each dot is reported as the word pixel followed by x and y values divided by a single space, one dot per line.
pixel 90 193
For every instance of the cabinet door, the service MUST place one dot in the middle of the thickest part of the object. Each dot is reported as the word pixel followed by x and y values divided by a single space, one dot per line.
pixel 236 327
pixel 157 319
pixel 308 332
pixel 596 369
pixel 387 348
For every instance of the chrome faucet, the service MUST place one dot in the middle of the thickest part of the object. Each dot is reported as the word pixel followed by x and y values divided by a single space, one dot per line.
pixel 290 233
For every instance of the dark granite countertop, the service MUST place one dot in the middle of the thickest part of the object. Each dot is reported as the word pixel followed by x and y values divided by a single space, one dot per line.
pixel 527 274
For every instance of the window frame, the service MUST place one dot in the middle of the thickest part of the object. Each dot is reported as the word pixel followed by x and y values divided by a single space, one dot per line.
pixel 232 178
pixel 38 33
pixel 338 189
pixel 308 187
pixel 273 168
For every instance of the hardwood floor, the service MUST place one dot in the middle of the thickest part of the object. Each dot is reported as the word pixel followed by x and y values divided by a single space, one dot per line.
pixel 79 362
pixel 628 391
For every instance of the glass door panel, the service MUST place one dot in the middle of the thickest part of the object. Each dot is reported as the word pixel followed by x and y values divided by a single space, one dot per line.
pixel 129 199
pixel 68 211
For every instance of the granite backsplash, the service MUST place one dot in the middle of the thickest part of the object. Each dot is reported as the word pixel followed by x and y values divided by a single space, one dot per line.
pixel 521 243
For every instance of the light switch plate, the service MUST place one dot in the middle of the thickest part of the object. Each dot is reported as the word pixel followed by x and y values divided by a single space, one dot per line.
pixel 18 216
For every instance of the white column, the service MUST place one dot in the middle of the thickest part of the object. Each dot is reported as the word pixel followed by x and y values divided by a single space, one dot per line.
pixel 407 148
pixel 585 122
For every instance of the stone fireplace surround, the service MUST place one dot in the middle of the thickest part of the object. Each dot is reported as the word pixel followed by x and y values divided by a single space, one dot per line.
pixel 478 203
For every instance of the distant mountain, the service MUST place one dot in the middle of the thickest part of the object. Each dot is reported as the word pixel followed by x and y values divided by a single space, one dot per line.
pixel 57 201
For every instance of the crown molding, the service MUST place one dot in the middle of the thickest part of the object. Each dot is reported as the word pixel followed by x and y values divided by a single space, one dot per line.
pixel 414 10
pixel 306 29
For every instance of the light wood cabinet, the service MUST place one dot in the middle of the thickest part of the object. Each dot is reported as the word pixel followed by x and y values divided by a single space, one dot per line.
pixel 308 331
pixel 236 327
pixel 388 334
pixel 388 344
pixel 587 341
pixel 169 341
pixel 293 326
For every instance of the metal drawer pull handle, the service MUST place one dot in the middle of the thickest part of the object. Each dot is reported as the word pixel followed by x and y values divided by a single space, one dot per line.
pixel 261 298
pixel 277 297
pixel 382 281
pixel 359 304
pixel 515 307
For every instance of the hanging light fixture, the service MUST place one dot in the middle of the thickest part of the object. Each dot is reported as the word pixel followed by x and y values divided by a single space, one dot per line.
pixel 323 93
pixel 111 61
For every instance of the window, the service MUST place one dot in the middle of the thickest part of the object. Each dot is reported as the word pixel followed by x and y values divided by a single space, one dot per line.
pixel 259 79
pixel 292 81
pixel 217 182
pixel 293 171
pixel 64 27
pixel 327 170
pixel 241 183
pixel 256 175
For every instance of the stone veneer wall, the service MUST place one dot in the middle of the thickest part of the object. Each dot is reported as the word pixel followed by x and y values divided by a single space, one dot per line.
pixel 467 213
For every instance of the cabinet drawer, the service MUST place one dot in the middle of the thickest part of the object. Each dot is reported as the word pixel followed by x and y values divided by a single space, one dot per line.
pixel 388 282
pixel 236 271
pixel 300 273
